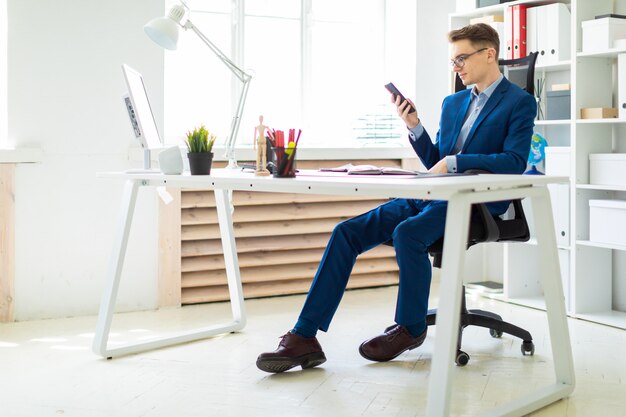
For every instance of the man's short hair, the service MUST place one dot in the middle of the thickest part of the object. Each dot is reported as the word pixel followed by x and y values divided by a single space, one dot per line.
pixel 480 35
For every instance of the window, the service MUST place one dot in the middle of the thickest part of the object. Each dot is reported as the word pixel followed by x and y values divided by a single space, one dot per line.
pixel 3 74
pixel 319 65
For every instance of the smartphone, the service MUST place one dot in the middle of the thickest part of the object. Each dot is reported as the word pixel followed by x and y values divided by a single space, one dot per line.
pixel 395 92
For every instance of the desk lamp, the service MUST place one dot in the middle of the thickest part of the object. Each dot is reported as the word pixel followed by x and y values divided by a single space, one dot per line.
pixel 164 32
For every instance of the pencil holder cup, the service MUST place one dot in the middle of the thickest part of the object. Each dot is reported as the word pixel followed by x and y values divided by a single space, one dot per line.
pixel 284 162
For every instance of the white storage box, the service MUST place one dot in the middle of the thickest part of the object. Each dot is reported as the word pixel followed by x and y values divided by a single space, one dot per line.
pixel 607 168
pixel 599 34
pixel 558 160
pixel 607 221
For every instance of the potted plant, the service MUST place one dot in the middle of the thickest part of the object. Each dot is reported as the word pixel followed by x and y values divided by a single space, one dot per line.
pixel 200 145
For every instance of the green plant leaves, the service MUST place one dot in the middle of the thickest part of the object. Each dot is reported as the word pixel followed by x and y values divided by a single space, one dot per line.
pixel 200 140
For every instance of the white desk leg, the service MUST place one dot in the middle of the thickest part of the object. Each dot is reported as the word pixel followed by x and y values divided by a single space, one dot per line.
pixel 454 246
pixel 107 305
pixel 109 296
pixel 553 288
pixel 225 218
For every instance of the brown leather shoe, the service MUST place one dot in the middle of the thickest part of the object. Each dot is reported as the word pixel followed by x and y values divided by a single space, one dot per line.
pixel 395 340
pixel 293 350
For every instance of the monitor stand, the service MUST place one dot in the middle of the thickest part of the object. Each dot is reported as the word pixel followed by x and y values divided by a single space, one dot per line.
pixel 146 165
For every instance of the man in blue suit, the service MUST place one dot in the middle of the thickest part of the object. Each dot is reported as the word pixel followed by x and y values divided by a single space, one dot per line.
pixel 487 127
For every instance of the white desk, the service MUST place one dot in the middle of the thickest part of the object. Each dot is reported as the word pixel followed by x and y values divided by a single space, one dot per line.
pixel 460 191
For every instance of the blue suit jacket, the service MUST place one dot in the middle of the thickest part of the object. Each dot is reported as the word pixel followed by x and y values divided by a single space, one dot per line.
pixel 499 140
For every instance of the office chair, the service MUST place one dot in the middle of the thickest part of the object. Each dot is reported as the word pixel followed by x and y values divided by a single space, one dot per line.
pixel 485 227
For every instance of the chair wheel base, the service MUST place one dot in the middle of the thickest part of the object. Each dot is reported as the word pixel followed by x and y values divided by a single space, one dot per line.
pixel 528 348
pixel 462 358
pixel 496 334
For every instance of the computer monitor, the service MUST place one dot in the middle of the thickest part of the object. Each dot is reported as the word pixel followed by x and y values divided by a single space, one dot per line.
pixel 140 113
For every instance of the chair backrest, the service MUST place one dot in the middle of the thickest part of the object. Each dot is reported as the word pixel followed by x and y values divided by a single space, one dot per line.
pixel 483 226
pixel 519 71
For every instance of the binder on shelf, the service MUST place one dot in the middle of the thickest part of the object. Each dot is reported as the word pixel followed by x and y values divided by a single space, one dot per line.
pixel 552 33
pixel 508 32
pixel 531 30
pixel 559 33
pixel 519 31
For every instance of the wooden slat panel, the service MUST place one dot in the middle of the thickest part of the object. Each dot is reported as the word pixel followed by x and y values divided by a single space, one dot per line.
pixel 206 198
pixel 266 258
pixel 275 228
pixel 254 244
pixel 280 241
pixel 292 211
pixel 281 272
pixel 254 290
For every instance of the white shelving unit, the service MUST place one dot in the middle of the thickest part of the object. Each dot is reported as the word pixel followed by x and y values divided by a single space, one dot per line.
pixel 587 266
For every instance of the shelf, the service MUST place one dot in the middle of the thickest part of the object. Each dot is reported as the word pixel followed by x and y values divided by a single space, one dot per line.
pixel 500 8
pixel 600 121
pixel 600 245
pixel 552 122
pixel 609 318
pixel 559 66
pixel 609 53
pixel 601 187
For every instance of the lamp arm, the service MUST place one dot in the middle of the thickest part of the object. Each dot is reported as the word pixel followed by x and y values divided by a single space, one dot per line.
pixel 244 77
pixel 234 127
pixel 239 73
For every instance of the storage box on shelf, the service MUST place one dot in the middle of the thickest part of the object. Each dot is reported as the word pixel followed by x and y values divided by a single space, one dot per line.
pixel 558 105
pixel 600 34
pixel 607 169
pixel 598 113
pixel 607 222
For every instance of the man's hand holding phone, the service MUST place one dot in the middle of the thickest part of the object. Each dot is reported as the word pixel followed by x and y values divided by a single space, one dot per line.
pixel 405 107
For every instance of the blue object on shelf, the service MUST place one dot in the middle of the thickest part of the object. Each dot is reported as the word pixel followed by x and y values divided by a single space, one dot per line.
pixel 537 153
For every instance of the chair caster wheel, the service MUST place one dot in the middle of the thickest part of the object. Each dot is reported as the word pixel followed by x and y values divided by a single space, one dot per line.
pixel 462 358
pixel 528 348
pixel 496 334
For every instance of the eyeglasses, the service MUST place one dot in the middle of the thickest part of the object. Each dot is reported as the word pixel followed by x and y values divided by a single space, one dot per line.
pixel 459 61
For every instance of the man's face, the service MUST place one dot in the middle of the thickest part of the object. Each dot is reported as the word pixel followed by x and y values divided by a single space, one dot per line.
pixel 470 63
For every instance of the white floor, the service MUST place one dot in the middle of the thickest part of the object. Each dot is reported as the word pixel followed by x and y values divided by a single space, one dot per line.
pixel 47 367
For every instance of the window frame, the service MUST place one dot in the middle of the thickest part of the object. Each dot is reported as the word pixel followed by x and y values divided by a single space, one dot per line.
pixel 306 22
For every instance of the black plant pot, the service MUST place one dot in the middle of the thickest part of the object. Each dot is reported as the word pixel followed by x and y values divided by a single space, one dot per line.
pixel 200 162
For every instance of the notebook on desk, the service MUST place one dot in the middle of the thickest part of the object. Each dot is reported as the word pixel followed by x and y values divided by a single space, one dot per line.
pixel 351 169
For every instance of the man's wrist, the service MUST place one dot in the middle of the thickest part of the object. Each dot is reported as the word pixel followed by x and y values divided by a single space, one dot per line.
pixel 416 132
pixel 414 126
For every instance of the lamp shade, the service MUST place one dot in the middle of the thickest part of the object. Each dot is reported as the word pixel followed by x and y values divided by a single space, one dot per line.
pixel 164 30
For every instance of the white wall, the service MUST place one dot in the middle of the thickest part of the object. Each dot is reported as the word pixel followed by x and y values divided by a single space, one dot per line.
pixel 433 70
pixel 64 96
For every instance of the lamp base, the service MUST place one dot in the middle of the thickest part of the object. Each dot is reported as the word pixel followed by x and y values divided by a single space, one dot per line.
pixel 232 164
